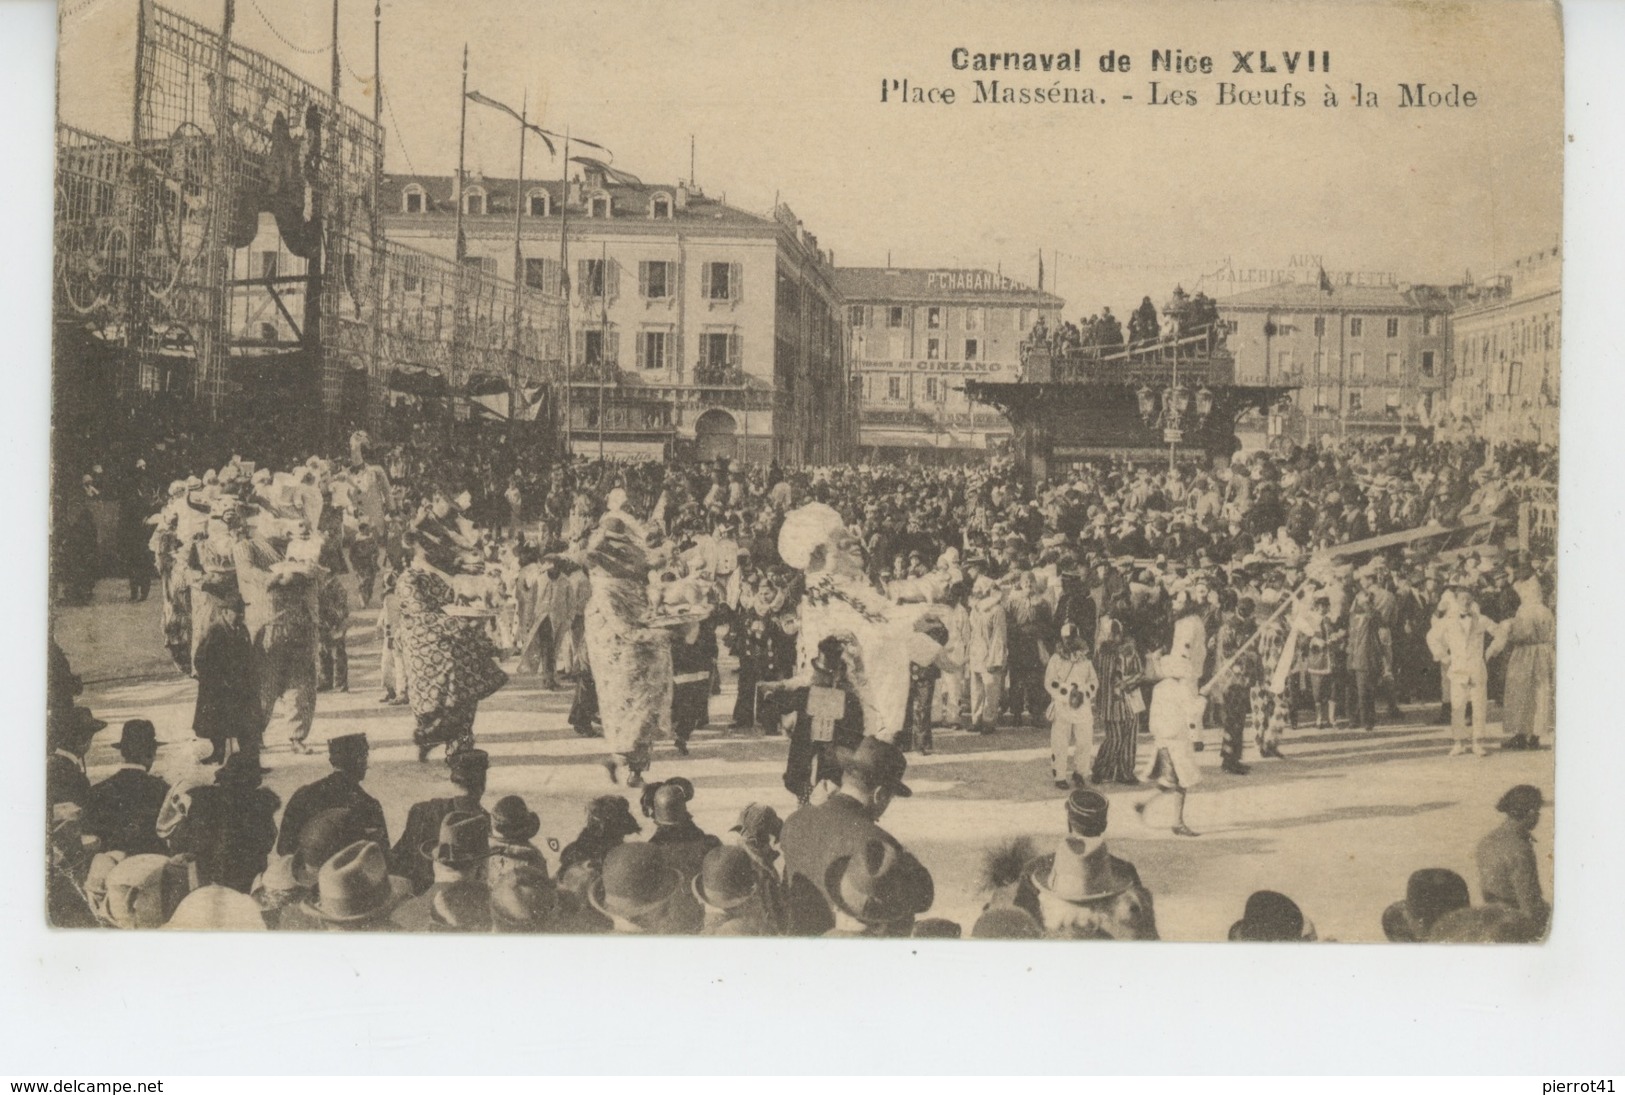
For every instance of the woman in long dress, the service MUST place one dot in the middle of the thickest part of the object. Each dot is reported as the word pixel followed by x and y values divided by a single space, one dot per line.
pixel 1119 701
pixel 1531 668
pixel 450 662
pixel 228 703
pixel 630 662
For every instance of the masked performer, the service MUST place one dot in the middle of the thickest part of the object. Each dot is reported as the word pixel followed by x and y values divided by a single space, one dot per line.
pixel 630 661
pixel 882 642
pixel 450 663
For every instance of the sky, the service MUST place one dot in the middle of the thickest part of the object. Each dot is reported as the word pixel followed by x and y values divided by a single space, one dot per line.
pixel 1124 198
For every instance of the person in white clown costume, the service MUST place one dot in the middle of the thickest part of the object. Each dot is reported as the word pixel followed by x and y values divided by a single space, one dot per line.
pixel 1177 707
pixel 881 639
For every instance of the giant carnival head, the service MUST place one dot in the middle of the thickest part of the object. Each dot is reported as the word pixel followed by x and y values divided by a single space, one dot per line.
pixel 815 539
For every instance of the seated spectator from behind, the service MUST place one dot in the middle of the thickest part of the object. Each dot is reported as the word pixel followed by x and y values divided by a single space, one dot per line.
pixel 1506 859
pixel 878 892
pixel 1271 917
pixel 123 808
pixel 1430 893
pixel 514 826
pixel 641 893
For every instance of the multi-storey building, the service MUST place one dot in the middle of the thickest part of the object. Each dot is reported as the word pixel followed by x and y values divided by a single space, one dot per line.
pixel 1366 359
pixel 1508 336
pixel 694 326
pixel 915 336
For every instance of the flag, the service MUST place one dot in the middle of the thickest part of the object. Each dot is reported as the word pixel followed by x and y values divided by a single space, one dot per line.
pixel 1325 282
pixel 486 100
pixel 619 178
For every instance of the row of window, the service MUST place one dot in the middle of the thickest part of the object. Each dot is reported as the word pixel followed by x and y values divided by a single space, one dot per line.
pixel 538 203
pixel 657 279
pixel 656 349
pixel 1393 364
pixel 941 317
pixel 1323 400
pixel 1285 325
pixel 1519 336
pixel 902 388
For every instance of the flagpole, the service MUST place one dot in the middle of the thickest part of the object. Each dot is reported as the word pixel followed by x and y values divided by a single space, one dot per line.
pixel 459 249
pixel 603 352
pixel 564 297
pixel 376 383
pixel 518 264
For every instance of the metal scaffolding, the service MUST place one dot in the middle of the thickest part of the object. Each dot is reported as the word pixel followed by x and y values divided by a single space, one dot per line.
pixel 240 223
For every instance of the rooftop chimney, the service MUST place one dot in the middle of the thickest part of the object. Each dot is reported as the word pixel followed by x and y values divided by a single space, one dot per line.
pixel 682 197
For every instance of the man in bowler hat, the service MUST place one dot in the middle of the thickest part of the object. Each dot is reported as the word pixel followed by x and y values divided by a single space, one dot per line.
pixel 340 789
pixel 406 859
pixel 123 808
pixel 840 827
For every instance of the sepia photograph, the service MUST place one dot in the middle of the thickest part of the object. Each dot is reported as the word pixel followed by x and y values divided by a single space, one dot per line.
pixel 954 471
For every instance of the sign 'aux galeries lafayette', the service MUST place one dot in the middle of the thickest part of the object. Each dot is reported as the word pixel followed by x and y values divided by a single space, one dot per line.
pixel 965 368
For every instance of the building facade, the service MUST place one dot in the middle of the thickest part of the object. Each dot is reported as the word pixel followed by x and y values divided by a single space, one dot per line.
pixel 1507 336
pixel 914 336
pixel 1365 359
pixel 694 327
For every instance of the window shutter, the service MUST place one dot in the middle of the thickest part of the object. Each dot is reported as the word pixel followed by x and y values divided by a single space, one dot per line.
pixel 615 347
pixel 733 349
pixel 736 278
pixel 583 280
pixel 643 280
pixel 705 280
pixel 612 278
pixel 581 346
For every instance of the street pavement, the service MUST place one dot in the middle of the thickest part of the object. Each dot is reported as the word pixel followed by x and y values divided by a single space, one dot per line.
pixel 1338 825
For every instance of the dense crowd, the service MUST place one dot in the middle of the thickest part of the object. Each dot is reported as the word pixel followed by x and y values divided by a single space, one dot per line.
pixel 1124 607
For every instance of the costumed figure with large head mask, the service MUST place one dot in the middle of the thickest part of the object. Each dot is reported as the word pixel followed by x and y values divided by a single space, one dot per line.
pixel 839 600
pixel 630 661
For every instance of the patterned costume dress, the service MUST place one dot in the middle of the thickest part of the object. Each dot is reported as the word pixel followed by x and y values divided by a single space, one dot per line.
pixel 450 663
pixel 630 662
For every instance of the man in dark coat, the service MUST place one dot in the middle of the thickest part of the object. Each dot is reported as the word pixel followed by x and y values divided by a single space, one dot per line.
pixel 683 843
pixel 68 733
pixel 230 825
pixel 406 858
pixel 339 790
pixel 841 827
pixel 123 808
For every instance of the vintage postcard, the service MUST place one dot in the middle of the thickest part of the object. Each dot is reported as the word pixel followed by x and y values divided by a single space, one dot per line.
pixel 954 470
